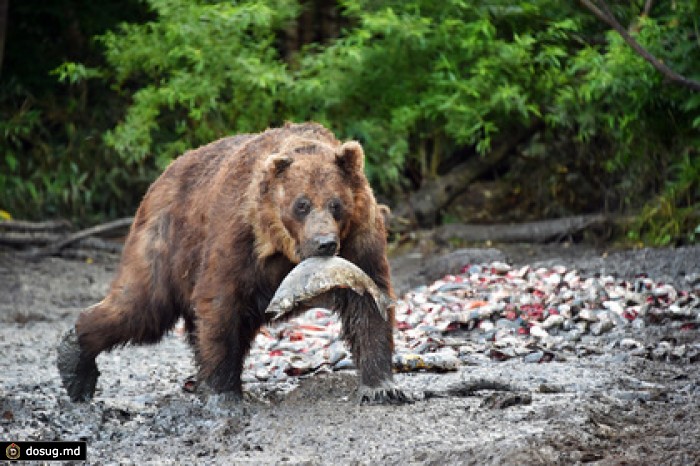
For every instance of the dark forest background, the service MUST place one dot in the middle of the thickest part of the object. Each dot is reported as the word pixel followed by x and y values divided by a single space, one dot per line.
pixel 492 111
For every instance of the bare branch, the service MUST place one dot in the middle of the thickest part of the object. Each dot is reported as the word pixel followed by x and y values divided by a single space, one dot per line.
pixel 604 14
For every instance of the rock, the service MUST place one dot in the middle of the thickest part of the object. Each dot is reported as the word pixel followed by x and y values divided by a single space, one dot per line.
pixel 638 324
pixel 534 357
pixel 662 350
pixel 679 351
pixel 573 335
pixel 553 321
pixel 507 324
pixel 500 268
pixel 344 364
pixel 565 311
pixel 553 279
pixel 630 344
pixel 614 306
pixel 587 315
pixel 598 328
pixel 538 331
pixel 693 279
pixel 664 291
pixel 568 324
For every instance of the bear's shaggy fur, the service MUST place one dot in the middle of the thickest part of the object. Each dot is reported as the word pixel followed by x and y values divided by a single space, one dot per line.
pixel 215 235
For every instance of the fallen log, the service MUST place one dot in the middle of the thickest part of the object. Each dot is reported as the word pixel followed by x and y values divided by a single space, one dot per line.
pixel 29 238
pixel 55 247
pixel 41 239
pixel 528 232
pixel 25 226
pixel 23 233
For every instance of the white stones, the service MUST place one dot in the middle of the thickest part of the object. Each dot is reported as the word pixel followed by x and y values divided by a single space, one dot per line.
pixel 538 331
pixel 588 315
pixel 553 279
pixel 500 268
pixel 555 320
pixel 614 306
pixel 521 272
pixel 681 311
pixel 693 279
pixel 664 291
pixel 565 310
pixel 486 325
pixel 603 326
pixel 630 344
pixel 679 351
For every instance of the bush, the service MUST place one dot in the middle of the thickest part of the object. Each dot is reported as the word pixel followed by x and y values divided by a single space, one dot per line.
pixel 422 84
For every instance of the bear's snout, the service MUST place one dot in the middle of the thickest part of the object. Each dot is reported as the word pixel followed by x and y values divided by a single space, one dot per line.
pixel 325 245
pixel 320 245
pixel 320 236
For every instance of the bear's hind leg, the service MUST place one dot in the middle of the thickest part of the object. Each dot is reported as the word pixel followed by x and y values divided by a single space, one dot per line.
pixel 78 372
pixel 117 320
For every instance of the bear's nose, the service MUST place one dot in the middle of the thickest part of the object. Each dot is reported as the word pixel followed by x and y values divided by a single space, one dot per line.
pixel 326 245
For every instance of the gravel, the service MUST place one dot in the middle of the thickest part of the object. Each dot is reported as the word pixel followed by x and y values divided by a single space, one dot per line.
pixel 609 391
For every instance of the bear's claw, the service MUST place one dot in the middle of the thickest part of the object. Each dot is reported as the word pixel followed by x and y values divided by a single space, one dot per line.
pixel 383 395
pixel 78 374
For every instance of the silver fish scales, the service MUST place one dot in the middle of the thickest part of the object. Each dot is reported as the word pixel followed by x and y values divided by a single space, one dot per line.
pixel 318 275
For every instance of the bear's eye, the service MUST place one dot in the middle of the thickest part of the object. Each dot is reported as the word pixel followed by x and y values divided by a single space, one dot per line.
pixel 335 207
pixel 302 207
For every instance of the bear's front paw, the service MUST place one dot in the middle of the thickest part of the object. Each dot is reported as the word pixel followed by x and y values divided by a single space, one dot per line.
pixel 385 394
pixel 78 374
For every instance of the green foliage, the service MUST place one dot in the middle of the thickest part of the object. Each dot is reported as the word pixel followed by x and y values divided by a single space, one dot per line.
pixel 416 79
pixel 674 214
pixel 41 176
pixel 52 159
pixel 73 73
pixel 422 84
pixel 16 129
pixel 205 70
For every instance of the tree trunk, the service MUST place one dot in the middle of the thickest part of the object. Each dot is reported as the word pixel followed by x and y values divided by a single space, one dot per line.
pixel 423 206
pixel 528 232
pixel 3 29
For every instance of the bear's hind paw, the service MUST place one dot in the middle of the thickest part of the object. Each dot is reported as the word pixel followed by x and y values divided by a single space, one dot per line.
pixel 78 374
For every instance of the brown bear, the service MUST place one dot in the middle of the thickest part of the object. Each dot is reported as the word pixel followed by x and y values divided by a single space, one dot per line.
pixel 213 238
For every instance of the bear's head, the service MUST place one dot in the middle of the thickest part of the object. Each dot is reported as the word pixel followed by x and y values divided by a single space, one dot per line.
pixel 312 196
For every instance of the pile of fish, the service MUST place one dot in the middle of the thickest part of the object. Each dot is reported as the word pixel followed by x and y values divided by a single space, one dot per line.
pixel 494 312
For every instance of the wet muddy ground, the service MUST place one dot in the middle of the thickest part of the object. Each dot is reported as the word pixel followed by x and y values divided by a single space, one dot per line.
pixel 605 406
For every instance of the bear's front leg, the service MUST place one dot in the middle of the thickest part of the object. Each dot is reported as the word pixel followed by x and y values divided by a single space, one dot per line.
pixel 371 343
pixel 224 335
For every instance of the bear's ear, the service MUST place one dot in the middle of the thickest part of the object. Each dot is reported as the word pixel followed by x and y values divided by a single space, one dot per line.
pixel 278 163
pixel 350 157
